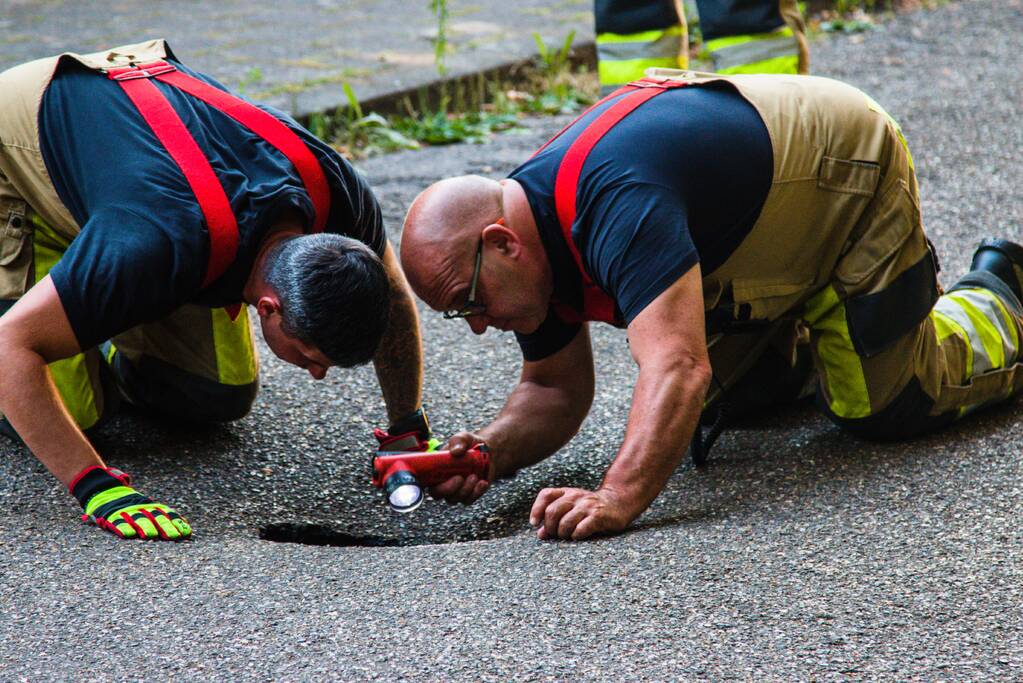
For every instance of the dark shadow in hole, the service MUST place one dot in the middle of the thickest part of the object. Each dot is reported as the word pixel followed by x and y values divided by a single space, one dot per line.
pixel 318 534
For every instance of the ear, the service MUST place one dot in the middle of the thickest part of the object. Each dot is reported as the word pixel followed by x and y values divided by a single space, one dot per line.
pixel 503 239
pixel 268 306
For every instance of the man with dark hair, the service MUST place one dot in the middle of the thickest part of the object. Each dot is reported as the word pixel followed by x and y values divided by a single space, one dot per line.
pixel 142 206
pixel 333 294
pixel 718 219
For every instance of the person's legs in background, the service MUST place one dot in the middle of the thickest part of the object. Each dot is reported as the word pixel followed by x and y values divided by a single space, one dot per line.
pixel 740 36
pixel 635 35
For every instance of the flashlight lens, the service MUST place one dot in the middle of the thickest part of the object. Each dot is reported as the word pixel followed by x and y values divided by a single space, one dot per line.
pixel 406 498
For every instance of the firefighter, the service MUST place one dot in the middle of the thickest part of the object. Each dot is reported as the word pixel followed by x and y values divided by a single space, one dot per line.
pixel 714 218
pixel 740 36
pixel 142 207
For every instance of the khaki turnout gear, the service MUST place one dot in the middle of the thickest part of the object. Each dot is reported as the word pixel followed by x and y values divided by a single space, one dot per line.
pixel 839 254
pixel 197 363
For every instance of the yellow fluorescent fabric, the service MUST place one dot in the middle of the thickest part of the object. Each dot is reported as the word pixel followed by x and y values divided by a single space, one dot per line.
pixel 236 356
pixel 846 384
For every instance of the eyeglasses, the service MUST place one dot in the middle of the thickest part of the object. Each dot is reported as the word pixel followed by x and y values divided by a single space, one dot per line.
pixel 471 307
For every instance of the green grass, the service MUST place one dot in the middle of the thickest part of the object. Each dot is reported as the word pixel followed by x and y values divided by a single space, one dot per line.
pixel 474 112
pixel 466 112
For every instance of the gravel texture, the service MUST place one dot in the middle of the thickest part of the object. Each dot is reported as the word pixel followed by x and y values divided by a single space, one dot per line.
pixel 798 554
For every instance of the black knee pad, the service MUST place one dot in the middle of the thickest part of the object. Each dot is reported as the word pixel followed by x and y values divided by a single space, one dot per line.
pixel 167 392
pixel 908 415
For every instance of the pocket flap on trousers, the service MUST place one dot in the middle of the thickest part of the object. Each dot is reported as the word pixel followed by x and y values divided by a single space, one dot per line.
pixel 851 177
pixel 14 231
pixel 747 290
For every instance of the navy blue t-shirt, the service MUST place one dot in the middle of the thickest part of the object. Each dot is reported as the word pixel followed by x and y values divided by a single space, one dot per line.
pixel 680 180
pixel 143 247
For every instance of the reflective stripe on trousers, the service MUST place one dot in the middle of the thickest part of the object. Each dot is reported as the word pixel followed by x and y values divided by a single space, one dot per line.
pixel 624 58
pixel 221 365
pixel 964 355
pixel 774 52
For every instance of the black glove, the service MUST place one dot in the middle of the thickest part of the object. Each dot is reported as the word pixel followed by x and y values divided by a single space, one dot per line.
pixel 410 433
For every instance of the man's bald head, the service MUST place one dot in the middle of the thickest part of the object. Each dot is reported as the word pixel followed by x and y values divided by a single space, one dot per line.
pixel 442 228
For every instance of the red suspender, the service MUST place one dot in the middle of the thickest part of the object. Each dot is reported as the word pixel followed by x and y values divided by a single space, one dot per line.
pixel 270 129
pixel 616 93
pixel 597 305
pixel 179 143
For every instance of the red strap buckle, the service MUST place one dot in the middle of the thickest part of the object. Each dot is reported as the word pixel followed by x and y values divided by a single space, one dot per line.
pixel 133 71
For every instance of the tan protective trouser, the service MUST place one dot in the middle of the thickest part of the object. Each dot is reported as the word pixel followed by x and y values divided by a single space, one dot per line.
pixel 839 249
pixel 196 363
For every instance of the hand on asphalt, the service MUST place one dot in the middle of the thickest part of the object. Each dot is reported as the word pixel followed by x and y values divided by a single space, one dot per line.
pixel 575 514
pixel 112 504
pixel 463 490
pixel 147 521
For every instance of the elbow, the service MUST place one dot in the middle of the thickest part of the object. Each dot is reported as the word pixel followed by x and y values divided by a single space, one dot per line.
pixel 700 376
pixel 9 348
pixel 691 374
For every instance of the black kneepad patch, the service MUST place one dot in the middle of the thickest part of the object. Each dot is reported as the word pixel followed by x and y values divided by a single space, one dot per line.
pixel 878 320
pixel 908 415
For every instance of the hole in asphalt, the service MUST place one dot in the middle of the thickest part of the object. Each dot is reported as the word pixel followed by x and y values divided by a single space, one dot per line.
pixel 317 534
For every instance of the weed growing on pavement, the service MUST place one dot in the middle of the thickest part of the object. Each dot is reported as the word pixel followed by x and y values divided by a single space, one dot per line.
pixel 355 134
pixel 252 76
pixel 440 45
pixel 468 110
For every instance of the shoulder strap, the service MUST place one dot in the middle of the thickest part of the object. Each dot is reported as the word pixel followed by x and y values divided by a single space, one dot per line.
pixel 271 129
pixel 597 305
pixel 179 143
pixel 161 117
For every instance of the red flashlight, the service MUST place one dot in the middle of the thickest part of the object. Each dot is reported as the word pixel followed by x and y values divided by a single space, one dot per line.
pixel 404 475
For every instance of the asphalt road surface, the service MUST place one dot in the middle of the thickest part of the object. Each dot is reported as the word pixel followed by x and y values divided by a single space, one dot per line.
pixel 296 54
pixel 797 554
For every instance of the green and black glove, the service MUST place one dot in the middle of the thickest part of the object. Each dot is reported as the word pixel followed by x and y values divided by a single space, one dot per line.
pixel 110 503
pixel 410 433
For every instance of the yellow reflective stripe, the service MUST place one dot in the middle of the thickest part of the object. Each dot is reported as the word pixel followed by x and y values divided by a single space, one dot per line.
pixel 986 330
pixel 232 340
pixel 1010 319
pixel 950 308
pixel 729 41
pixel 641 37
pixel 104 497
pixel 616 72
pixel 843 372
pixel 945 327
pixel 788 64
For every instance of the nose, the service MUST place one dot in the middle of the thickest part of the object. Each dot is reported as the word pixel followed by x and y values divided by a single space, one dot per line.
pixel 477 323
pixel 317 371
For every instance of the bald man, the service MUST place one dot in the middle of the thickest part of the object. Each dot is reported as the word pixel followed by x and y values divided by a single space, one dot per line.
pixel 715 218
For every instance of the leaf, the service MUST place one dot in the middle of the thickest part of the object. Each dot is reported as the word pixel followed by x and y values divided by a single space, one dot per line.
pixel 353 102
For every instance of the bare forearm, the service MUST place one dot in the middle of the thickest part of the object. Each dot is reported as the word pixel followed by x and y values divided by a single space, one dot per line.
pixel 29 400
pixel 535 422
pixel 666 406
pixel 399 360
